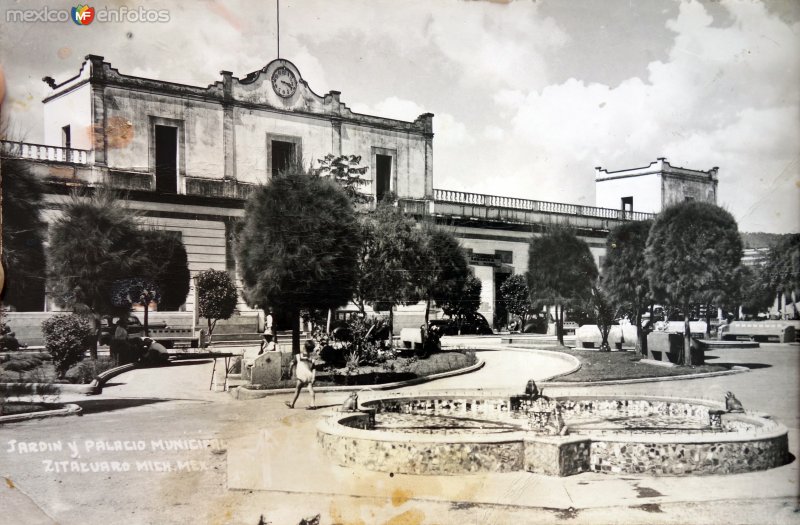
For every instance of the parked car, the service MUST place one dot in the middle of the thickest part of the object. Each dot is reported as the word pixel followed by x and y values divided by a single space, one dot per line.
pixel 135 327
pixel 471 324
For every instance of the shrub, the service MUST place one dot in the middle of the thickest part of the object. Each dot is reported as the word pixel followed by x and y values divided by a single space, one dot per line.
pixel 86 371
pixel 65 338
pixel 22 365
pixel 216 297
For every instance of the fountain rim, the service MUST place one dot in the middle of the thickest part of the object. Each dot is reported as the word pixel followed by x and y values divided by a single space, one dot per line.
pixel 332 425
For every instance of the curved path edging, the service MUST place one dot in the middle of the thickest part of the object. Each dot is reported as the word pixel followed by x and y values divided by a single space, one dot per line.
pixel 704 375
pixel 93 388
pixel 103 377
pixel 70 409
pixel 549 381
pixel 243 393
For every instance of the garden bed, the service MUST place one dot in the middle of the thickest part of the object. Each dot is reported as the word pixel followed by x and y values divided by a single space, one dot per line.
pixel 38 368
pixel 393 370
pixel 11 408
pixel 611 366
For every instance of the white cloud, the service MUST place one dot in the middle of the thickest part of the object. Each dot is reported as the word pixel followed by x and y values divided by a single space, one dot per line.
pixel 723 92
pixel 493 133
pixel 727 97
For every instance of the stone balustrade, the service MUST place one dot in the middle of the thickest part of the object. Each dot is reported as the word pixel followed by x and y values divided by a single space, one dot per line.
pixel 513 203
pixel 26 150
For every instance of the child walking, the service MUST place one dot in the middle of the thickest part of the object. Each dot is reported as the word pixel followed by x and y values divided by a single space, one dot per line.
pixel 306 375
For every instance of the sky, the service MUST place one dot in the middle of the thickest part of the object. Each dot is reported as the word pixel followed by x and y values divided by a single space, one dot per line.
pixel 528 96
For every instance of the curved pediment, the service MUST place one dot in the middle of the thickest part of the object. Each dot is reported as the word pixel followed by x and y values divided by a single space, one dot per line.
pixel 279 85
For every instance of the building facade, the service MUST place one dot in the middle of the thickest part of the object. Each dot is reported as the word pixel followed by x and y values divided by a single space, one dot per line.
pixel 654 187
pixel 187 157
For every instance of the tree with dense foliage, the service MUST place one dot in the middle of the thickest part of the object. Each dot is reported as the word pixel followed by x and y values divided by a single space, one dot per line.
pixel 65 337
pixel 517 298
pixel 464 302
pixel 216 297
pixel 167 266
pixel 298 246
pixel 756 294
pixel 23 236
pixel 93 243
pixel 392 249
pixel 625 273
pixel 783 269
pixel 345 170
pixel 561 272
pixel 443 269
pixel 693 255
pixel 605 312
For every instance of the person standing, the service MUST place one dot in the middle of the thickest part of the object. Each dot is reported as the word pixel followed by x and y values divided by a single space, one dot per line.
pixel 119 347
pixel 306 375
pixel 269 330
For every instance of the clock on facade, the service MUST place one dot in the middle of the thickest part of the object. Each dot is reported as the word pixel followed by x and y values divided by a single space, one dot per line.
pixel 284 82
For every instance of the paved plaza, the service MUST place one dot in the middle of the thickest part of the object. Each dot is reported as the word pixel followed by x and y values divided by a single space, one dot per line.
pixel 199 456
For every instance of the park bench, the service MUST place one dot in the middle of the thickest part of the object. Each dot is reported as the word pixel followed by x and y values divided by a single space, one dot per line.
pixel 570 327
pixel 666 347
pixel 411 338
pixel 780 332
pixel 588 336
pixel 178 337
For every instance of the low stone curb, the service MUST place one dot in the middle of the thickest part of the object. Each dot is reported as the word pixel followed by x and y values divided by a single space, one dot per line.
pixel 103 377
pixel 734 370
pixel 93 388
pixel 243 393
pixel 69 409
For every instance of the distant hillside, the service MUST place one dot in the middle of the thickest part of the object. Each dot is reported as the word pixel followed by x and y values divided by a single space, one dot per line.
pixel 761 239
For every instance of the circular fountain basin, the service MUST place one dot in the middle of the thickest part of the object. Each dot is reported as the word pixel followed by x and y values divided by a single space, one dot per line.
pixel 458 433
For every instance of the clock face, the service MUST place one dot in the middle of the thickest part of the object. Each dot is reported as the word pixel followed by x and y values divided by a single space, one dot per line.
pixel 284 82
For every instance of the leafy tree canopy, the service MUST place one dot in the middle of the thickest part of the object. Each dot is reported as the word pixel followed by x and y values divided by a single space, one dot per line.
pixel 693 254
pixel 561 269
pixel 345 170
pixel 391 253
pixel 167 266
pixel 92 244
pixel 625 269
pixel 516 296
pixel 756 293
pixel 23 233
pixel 216 297
pixel 465 301
pixel 298 244
pixel 447 269
pixel 783 265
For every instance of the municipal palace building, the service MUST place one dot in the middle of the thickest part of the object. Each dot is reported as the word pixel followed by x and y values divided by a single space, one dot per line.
pixel 187 157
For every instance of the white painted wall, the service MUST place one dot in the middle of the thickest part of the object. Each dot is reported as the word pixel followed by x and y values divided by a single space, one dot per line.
pixel 645 190
pixel 202 123
pixel 251 129
pixel 409 161
pixel 73 109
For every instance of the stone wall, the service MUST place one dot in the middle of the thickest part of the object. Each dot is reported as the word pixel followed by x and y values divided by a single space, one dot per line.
pixel 557 457
pixel 744 443
pixel 680 459
pixel 422 457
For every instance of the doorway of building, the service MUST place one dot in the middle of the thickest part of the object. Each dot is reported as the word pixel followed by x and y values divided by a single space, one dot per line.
pixel 383 176
pixel 283 156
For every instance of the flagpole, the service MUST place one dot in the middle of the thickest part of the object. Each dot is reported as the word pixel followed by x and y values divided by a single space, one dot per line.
pixel 278 18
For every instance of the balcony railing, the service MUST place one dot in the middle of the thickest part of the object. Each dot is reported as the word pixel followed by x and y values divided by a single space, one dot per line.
pixel 513 203
pixel 25 150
